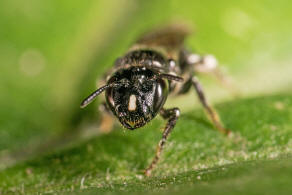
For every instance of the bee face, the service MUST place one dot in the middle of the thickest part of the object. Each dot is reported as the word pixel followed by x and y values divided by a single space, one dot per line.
pixel 139 98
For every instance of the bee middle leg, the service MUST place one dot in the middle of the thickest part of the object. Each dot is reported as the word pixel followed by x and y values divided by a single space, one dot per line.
pixel 197 63
pixel 211 112
pixel 172 116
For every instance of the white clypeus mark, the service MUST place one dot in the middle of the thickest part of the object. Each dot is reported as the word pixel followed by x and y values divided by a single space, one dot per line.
pixel 132 103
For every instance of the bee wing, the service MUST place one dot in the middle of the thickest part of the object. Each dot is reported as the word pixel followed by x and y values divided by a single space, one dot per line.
pixel 169 37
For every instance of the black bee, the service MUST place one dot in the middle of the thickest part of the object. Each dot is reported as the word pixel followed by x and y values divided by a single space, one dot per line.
pixel 157 65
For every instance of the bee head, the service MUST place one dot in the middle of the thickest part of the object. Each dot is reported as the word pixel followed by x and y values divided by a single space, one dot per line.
pixel 135 95
pixel 138 98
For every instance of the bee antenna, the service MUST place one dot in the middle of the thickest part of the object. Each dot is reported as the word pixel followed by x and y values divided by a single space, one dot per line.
pixel 171 77
pixel 93 95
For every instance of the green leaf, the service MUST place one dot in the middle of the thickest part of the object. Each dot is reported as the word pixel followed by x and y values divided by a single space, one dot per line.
pixel 195 154
pixel 52 52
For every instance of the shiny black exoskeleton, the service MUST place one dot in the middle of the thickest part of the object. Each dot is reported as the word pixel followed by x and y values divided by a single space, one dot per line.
pixel 141 81
pixel 138 98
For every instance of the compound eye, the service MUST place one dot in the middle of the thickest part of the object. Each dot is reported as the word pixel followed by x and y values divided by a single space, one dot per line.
pixel 160 95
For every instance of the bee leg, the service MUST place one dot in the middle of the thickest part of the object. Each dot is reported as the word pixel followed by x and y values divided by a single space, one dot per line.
pixel 107 120
pixel 209 110
pixel 171 115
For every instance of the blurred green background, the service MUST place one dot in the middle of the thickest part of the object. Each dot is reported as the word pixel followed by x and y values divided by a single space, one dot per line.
pixel 53 52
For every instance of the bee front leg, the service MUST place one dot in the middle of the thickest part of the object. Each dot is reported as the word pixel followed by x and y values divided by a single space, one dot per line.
pixel 209 110
pixel 172 116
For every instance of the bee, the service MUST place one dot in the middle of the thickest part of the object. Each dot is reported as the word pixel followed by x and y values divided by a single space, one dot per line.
pixel 157 65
